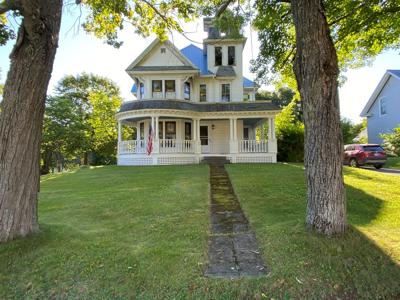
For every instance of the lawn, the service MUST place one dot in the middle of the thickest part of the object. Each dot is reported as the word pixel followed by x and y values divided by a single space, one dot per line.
pixel 141 233
pixel 393 163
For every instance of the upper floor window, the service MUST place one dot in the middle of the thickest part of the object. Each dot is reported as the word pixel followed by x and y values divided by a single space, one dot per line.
pixel 218 56
pixel 157 86
pixel 203 93
pixel 170 86
pixel 141 90
pixel 186 90
pixel 163 50
pixel 231 56
pixel 382 106
pixel 226 92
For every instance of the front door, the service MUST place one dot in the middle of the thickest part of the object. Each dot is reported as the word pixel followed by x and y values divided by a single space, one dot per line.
pixel 205 142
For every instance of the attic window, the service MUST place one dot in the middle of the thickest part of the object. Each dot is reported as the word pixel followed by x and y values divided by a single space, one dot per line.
pixel 163 50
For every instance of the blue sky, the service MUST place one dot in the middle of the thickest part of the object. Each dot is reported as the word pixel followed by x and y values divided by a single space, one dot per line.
pixel 79 52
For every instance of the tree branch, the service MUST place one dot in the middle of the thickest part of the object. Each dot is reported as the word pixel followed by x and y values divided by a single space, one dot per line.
pixel 157 11
pixel 8 5
pixel 222 8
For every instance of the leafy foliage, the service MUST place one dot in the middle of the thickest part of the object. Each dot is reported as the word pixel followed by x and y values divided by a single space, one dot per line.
pixel 350 131
pixel 282 97
pixel 290 134
pixel 360 30
pixel 231 23
pixel 6 33
pixel 80 120
pixel 392 141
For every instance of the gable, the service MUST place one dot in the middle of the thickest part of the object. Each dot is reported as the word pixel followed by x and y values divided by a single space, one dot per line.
pixel 160 56
pixel 390 75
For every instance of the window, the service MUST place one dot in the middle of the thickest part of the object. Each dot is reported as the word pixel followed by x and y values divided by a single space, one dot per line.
pixel 163 50
pixel 245 133
pixel 170 130
pixel 188 131
pixel 157 86
pixel 141 126
pixel 186 91
pixel 231 55
pixel 160 130
pixel 203 93
pixel 170 86
pixel 382 106
pixel 141 90
pixel 218 56
pixel 226 92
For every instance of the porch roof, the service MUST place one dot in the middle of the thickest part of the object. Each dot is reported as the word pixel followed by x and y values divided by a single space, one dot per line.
pixel 199 107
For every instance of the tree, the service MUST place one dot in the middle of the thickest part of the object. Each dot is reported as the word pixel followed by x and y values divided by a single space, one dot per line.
pixel 316 37
pixel 25 89
pixel 282 98
pixel 350 131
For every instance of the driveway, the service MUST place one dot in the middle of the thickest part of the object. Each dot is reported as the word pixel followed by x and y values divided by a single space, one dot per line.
pixel 383 170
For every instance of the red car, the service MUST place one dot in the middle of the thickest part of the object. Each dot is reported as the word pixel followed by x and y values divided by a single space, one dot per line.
pixel 357 155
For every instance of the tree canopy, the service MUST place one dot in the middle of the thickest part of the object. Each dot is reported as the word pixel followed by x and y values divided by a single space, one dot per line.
pixel 360 30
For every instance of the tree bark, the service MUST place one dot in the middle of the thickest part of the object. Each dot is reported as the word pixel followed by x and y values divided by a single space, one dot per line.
pixel 316 70
pixel 22 117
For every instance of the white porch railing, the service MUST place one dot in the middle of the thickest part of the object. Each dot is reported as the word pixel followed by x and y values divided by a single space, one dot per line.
pixel 176 146
pixel 253 146
pixel 132 147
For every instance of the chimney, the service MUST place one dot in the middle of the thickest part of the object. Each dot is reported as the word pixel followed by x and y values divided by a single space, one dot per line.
pixel 213 32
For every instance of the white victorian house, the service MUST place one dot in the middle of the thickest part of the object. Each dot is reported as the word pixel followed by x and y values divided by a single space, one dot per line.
pixel 195 103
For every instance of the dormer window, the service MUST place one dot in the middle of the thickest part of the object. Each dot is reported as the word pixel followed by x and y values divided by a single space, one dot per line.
pixel 163 50
pixel 231 56
pixel 218 56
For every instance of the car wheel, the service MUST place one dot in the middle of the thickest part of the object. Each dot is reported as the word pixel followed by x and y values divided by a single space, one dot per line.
pixel 353 163
pixel 378 166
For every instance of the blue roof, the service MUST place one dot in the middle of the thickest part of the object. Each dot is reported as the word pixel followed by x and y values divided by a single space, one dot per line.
pixel 247 83
pixel 197 57
pixel 395 72
pixel 134 88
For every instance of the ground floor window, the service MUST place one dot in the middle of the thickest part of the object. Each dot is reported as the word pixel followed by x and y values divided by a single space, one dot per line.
pixel 246 133
pixel 188 131
pixel 160 130
pixel 226 92
pixel 141 130
pixel 170 130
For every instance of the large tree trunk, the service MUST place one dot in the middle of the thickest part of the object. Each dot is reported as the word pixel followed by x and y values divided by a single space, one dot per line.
pixel 22 117
pixel 316 70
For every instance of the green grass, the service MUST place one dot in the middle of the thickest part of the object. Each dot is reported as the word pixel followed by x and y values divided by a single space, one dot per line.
pixel 141 233
pixel 363 264
pixel 393 163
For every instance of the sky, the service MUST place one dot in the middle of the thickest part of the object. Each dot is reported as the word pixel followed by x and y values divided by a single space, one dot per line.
pixel 81 52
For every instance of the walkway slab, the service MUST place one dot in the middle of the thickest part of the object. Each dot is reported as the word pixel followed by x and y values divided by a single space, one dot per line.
pixel 233 251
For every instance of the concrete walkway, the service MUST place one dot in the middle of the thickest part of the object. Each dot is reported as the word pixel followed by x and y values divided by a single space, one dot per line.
pixel 232 250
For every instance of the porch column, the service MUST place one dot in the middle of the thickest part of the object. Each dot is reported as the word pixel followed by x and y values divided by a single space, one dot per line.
pixel 196 136
pixel 272 144
pixel 156 143
pixel 262 130
pixel 119 132
pixel 233 142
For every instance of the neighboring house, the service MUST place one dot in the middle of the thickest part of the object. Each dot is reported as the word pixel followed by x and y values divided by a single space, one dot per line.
pixel 195 103
pixel 383 108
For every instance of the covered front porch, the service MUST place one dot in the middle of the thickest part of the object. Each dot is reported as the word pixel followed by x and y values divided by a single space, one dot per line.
pixel 187 140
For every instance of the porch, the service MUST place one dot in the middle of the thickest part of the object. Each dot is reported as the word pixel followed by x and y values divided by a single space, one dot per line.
pixel 188 141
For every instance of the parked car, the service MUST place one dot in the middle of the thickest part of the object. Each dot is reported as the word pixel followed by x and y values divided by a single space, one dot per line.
pixel 357 155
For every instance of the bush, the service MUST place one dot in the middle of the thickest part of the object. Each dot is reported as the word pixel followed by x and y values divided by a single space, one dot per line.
pixel 392 141
pixel 290 135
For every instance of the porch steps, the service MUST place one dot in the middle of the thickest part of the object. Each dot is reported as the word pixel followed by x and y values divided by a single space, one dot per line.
pixel 215 160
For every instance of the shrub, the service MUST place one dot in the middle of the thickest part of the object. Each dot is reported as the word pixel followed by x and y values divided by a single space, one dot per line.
pixel 392 141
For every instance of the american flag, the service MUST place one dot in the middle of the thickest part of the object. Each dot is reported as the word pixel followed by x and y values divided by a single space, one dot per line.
pixel 150 141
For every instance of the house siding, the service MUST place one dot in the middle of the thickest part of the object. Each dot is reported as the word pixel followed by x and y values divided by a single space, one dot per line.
pixel 378 124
